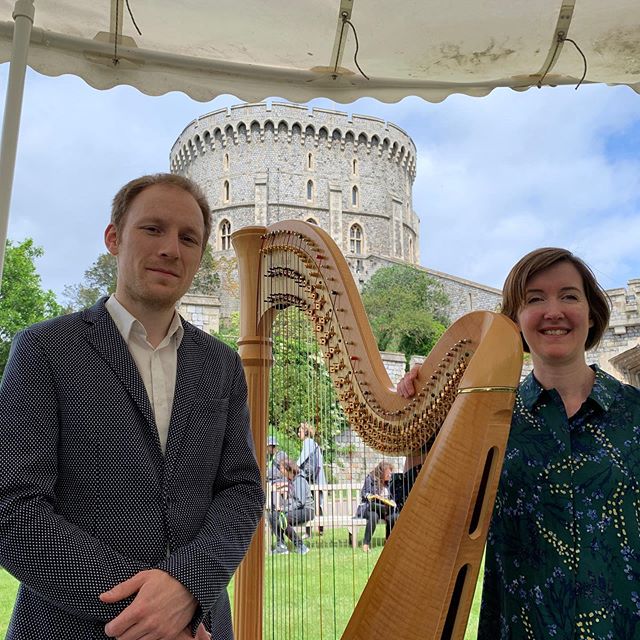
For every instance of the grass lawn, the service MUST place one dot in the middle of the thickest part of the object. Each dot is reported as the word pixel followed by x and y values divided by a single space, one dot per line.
pixel 307 597
pixel 8 589
pixel 311 597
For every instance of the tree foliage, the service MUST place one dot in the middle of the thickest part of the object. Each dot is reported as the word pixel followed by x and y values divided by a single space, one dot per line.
pixel 22 299
pixel 300 386
pixel 406 309
pixel 100 280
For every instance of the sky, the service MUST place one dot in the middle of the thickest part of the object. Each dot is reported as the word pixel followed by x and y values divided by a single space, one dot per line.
pixel 496 176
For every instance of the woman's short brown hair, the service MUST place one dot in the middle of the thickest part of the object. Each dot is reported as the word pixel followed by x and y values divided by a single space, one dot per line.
pixel 123 199
pixel 515 286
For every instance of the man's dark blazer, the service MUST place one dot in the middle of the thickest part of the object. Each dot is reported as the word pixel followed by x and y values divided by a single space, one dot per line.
pixel 87 498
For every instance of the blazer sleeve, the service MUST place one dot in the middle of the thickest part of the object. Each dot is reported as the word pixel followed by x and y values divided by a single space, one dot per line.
pixel 206 564
pixel 56 559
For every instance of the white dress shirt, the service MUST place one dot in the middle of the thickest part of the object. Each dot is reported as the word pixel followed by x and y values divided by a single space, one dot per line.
pixel 157 366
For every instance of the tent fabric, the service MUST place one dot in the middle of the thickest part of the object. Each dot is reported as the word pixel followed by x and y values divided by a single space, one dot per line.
pixel 303 49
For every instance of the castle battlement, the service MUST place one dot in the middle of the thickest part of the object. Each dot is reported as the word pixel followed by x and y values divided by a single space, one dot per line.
pixel 249 123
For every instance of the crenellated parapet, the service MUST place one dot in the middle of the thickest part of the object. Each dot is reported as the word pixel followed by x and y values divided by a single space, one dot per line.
pixel 290 123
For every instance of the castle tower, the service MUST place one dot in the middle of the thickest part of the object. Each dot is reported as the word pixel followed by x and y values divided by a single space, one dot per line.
pixel 353 176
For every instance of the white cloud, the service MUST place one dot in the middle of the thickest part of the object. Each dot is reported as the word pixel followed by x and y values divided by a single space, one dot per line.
pixel 497 176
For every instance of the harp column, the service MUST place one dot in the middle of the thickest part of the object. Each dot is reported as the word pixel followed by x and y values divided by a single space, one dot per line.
pixel 255 352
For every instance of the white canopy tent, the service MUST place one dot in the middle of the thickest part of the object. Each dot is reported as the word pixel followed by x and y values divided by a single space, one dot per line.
pixel 340 49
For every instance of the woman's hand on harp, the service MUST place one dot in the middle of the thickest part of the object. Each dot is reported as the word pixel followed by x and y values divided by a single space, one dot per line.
pixel 406 387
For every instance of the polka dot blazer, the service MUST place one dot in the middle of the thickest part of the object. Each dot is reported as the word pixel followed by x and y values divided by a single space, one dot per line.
pixel 87 498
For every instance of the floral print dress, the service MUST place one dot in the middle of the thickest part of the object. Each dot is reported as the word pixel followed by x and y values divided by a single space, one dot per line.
pixel 563 552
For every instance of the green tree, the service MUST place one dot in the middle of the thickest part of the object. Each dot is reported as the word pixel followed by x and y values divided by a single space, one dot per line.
pixel 100 280
pixel 406 309
pixel 22 299
pixel 207 279
pixel 300 386
pixel 229 331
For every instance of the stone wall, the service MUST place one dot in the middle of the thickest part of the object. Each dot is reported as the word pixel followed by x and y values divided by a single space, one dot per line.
pixel 201 311
pixel 619 350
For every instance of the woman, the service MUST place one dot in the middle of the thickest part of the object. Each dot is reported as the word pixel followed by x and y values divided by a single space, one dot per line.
pixel 376 503
pixel 563 551
pixel 310 460
pixel 296 507
pixel 311 463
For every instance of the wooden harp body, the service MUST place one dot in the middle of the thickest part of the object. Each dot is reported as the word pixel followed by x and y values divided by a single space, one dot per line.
pixel 423 583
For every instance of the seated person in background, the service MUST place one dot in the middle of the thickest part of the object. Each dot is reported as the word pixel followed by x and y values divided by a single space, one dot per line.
pixel 376 502
pixel 295 507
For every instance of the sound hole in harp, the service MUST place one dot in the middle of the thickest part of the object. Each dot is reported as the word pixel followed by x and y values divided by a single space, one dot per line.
pixel 454 604
pixel 480 502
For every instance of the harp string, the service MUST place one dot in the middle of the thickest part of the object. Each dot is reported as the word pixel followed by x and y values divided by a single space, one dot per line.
pixel 328 586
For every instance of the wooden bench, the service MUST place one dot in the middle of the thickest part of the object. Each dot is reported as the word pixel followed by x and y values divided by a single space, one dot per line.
pixel 339 504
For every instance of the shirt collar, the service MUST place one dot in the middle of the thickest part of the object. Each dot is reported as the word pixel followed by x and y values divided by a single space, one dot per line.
pixel 603 392
pixel 129 326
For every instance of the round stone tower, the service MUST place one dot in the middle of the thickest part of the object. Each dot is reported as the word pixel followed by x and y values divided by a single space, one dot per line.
pixel 261 163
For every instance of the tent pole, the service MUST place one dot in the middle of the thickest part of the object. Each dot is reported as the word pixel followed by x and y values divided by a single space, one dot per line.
pixel 23 13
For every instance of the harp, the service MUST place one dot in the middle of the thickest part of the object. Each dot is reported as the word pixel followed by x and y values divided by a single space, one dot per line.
pixel 425 577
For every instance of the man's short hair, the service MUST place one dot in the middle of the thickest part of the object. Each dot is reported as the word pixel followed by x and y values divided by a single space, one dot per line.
pixel 123 199
pixel 515 288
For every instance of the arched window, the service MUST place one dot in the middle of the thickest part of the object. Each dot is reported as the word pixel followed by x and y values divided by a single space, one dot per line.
pixel 225 162
pixel 225 235
pixel 310 190
pixel 411 254
pixel 354 167
pixel 310 161
pixel 355 239
pixel 225 191
pixel 354 196
pixel 312 221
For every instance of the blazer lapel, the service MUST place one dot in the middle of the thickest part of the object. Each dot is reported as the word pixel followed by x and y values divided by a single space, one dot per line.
pixel 191 355
pixel 105 338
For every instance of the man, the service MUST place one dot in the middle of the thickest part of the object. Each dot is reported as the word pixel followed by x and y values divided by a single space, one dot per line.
pixel 129 490
pixel 275 458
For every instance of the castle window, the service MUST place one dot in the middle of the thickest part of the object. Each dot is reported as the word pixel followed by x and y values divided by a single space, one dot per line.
pixel 312 221
pixel 225 235
pixel 355 239
pixel 310 190
pixel 225 162
pixel 412 257
pixel 354 196
pixel 354 167
pixel 225 191
pixel 310 161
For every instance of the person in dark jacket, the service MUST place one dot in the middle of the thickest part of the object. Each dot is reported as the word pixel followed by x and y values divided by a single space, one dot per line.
pixel 129 490
pixel 295 507
pixel 376 503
